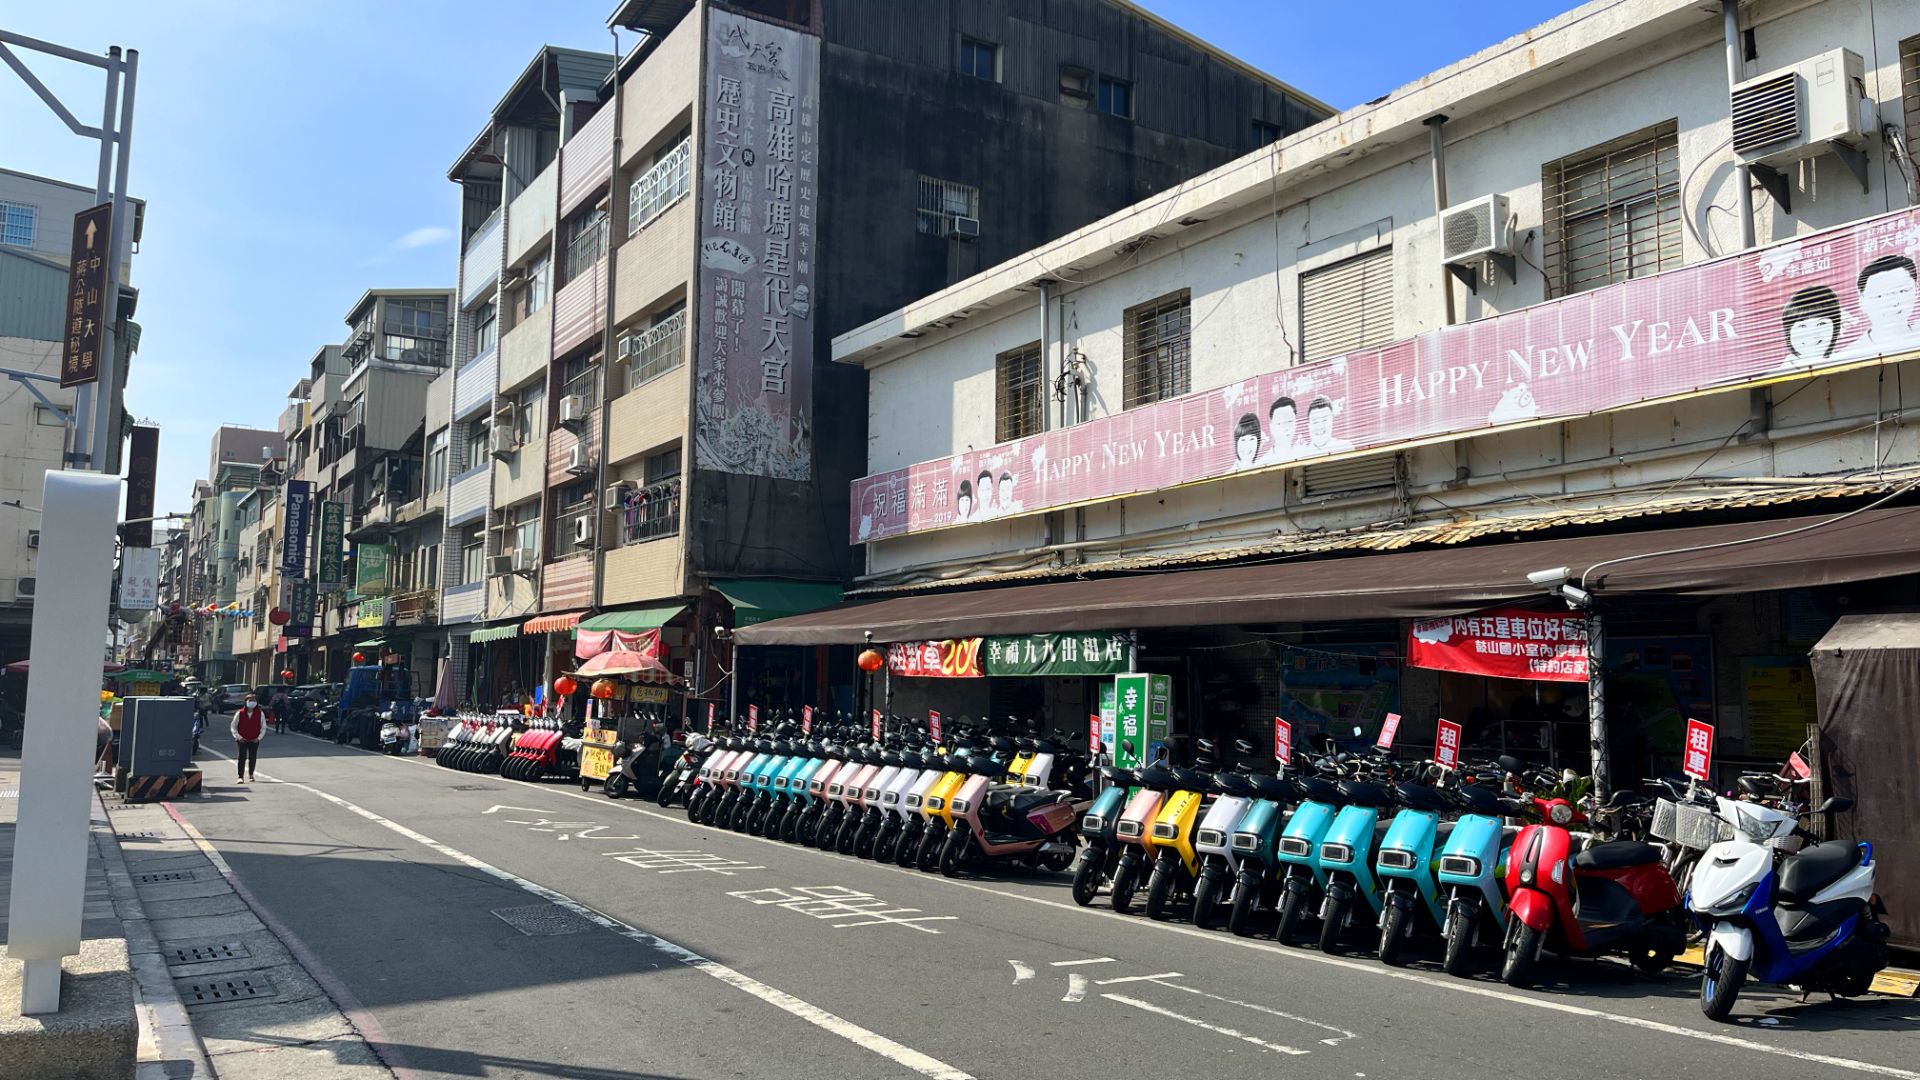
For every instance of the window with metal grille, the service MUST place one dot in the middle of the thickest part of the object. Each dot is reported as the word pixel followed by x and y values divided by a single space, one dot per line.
pixel 19 224
pixel 658 349
pixel 1158 349
pixel 573 504
pixel 941 201
pixel 1017 397
pixel 663 184
pixel 980 59
pixel 586 234
pixel 652 510
pixel 1613 212
pixel 1910 88
pixel 1347 305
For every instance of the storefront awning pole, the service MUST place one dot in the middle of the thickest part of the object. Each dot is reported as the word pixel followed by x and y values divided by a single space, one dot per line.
pixel 1597 707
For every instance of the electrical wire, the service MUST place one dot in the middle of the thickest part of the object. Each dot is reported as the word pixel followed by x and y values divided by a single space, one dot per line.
pixel 1686 218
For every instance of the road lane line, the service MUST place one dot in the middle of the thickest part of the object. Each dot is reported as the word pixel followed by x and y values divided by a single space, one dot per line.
pixel 1344 1034
pixel 1138 978
pixel 1076 988
pixel 1458 986
pixel 1230 1033
pixel 1021 972
pixel 1078 963
pixel 871 1041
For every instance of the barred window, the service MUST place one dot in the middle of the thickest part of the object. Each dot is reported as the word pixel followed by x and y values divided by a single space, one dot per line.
pixel 1347 305
pixel 1613 212
pixel 19 224
pixel 941 201
pixel 586 234
pixel 656 350
pixel 1017 393
pixel 1158 350
pixel 662 185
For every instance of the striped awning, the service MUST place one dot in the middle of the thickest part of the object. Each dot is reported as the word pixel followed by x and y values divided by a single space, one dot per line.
pixel 548 624
pixel 495 633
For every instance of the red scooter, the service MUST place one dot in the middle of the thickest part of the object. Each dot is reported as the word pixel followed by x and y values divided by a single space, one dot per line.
pixel 1576 896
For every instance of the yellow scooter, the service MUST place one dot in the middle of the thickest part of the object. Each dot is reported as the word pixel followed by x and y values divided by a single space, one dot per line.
pixel 938 813
pixel 1176 865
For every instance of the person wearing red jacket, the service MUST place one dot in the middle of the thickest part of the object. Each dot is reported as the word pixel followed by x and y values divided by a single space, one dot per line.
pixel 249 727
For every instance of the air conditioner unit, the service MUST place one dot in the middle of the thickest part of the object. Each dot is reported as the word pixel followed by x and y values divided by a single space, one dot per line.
pixel 573 411
pixel 962 227
pixel 524 560
pixel 499 565
pixel 1817 106
pixel 1474 233
pixel 33 538
pixel 577 460
pixel 628 347
pixel 503 444
pixel 26 587
pixel 583 531
pixel 616 498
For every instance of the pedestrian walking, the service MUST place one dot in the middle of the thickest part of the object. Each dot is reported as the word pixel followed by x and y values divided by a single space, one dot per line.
pixel 249 727
pixel 279 710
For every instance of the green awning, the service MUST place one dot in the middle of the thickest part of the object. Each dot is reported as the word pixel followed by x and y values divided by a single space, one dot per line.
pixel 494 633
pixel 633 620
pixel 370 643
pixel 758 601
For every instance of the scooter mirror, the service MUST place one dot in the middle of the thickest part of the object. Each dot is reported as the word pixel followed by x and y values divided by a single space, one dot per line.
pixel 1838 804
pixel 1510 763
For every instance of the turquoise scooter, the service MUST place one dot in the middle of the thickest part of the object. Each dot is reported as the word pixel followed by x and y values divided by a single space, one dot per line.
pixel 1256 840
pixel 1410 895
pixel 785 801
pixel 1347 858
pixel 1473 863
pixel 1303 884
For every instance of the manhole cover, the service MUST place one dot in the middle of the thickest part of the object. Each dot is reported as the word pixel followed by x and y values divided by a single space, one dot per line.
pixel 162 879
pixel 540 920
pixel 200 954
pixel 218 990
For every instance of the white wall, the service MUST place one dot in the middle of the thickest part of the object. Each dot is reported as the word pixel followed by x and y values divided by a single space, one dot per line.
pixel 28 449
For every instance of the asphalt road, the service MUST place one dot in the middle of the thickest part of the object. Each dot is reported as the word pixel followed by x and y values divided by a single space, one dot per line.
pixel 647 946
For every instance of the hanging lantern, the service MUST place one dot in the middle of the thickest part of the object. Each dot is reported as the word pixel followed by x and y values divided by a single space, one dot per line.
pixel 565 686
pixel 287 674
pixel 871 661
pixel 359 658
pixel 602 689
pixel 279 616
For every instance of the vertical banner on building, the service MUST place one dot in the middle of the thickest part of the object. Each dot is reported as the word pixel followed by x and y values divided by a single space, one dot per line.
pixel 1109 716
pixel 143 462
pixel 1446 744
pixel 371 563
pixel 1698 762
pixel 753 718
pixel 876 725
pixel 329 540
pixel 139 578
pixel 300 600
pixel 297 524
pixel 1143 708
pixel 758 209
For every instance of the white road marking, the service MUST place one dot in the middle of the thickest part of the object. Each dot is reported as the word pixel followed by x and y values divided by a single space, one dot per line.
pixel 1230 1033
pixel 1458 986
pixel 1076 987
pixel 1078 963
pixel 1138 978
pixel 871 1041
pixel 1344 1034
pixel 1021 972
pixel 678 862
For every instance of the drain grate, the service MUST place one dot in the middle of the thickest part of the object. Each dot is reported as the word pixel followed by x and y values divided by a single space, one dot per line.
pixel 200 954
pixel 166 878
pixel 138 835
pixel 540 920
pixel 218 990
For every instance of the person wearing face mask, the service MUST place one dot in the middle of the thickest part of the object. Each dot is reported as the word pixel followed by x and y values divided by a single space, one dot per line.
pixel 249 727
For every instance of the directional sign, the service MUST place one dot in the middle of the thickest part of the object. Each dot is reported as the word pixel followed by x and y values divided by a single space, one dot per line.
pixel 85 315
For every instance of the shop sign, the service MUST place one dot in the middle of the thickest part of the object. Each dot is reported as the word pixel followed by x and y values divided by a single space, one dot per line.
pixel 1094 738
pixel 1107 652
pixel 1282 741
pixel 143 461
pixel 753 718
pixel 1506 643
pixel 933 725
pixel 1144 705
pixel 876 725
pixel 1387 731
pixel 1109 715
pixel 955 658
pixel 647 695
pixel 86 311
pixel 757 202
pixel 806 719
pixel 1802 306
pixel 329 541
pixel 1698 760
pixel 1446 744
pixel 300 600
pixel 371 563
pixel 139 578
pixel 294 536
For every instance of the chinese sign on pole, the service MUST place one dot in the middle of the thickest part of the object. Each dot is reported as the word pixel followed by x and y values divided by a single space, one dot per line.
pixel 329 540
pixel 299 600
pixel 87 309
pixel 370 565
pixel 1507 643
pixel 1143 707
pixel 143 461
pixel 1446 744
pixel 757 212
pixel 1698 761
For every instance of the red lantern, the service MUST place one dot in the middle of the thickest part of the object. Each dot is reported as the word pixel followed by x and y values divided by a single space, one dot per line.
pixel 602 688
pixel 287 675
pixel 871 661
pixel 565 686
pixel 279 616
pixel 359 658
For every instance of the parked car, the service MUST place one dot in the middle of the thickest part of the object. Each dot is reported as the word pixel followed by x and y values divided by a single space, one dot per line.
pixel 230 697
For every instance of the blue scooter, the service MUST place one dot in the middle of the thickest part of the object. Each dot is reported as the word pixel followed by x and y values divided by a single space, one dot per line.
pixel 1347 858
pixel 1256 840
pixel 1097 859
pixel 1405 868
pixel 1303 883
pixel 1473 863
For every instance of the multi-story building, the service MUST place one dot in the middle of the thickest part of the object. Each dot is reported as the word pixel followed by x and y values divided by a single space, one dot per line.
pixel 654 249
pixel 214 546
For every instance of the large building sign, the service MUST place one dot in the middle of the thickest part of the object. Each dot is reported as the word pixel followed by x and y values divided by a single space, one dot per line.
pixel 759 162
pixel 1820 302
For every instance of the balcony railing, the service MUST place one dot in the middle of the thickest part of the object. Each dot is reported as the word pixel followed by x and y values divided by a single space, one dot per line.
pixel 414 608
pixel 651 512
pixel 566 525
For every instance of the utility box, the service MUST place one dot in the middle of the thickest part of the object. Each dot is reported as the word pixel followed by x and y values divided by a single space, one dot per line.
pixel 159 736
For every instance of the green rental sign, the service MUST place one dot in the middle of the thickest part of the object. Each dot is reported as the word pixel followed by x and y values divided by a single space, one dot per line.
pixel 1143 707
pixel 1108 652
pixel 371 563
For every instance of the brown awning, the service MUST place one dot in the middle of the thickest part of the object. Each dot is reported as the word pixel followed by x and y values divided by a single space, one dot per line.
pixel 1699 561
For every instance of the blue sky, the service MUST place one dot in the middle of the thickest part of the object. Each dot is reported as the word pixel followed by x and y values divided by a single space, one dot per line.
pixel 295 154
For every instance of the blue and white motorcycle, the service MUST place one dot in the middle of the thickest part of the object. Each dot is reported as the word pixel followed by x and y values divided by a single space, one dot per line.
pixel 1807 920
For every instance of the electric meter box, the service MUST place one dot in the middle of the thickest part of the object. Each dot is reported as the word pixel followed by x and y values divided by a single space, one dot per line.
pixel 158 740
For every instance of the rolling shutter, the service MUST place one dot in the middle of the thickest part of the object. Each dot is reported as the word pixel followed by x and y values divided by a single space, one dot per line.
pixel 1347 306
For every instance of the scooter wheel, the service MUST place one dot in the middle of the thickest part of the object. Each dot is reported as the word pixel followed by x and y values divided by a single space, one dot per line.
pixel 930 845
pixel 1159 891
pixel 1516 968
pixel 616 786
pixel 1393 934
pixel 1293 906
pixel 863 839
pixel 1720 983
pixel 1333 926
pixel 1240 912
pixel 1206 898
pixel 953 854
pixel 666 794
pixel 908 846
pixel 1126 878
pixel 1459 936
pixel 1086 878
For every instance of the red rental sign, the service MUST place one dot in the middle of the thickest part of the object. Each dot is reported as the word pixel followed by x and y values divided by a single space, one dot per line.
pixel 710 709
pixel 1282 741
pixel 876 724
pixel 1388 728
pixel 1093 732
pixel 956 658
pixel 1446 744
pixel 806 719
pixel 933 724
pixel 1507 643
pixel 753 718
pixel 1699 757
pixel 1802 305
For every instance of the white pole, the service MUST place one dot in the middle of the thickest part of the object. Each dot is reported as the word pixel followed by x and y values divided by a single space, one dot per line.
pixel 75 569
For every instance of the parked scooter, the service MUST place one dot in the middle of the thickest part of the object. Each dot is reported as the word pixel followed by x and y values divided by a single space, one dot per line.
pixel 1409 891
pixel 936 814
pixel 1347 853
pixel 1008 823
pixel 1255 841
pixel 1303 881
pixel 913 807
pixel 1808 918
pixel 1156 782
pixel 637 773
pixel 1102 851
pixel 1472 862
pixel 679 781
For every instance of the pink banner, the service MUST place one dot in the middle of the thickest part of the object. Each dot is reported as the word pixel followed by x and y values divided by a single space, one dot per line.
pixel 1821 301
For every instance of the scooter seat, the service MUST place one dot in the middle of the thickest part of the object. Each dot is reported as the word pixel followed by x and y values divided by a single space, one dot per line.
pixel 1805 874
pixel 1360 793
pixel 1234 784
pixel 1192 780
pixel 1158 777
pixel 1273 787
pixel 1615 855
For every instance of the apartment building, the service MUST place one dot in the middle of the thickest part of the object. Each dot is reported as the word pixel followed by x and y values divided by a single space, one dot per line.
pixel 656 246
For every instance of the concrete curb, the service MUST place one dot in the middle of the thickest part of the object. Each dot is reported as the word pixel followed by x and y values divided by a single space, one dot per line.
pixel 167 1038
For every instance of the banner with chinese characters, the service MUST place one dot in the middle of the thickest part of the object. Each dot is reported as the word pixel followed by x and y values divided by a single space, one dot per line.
pixel 297 521
pixel 329 541
pixel 299 598
pixel 1106 652
pixel 1506 643
pixel 955 658
pixel 371 563
pixel 1822 301
pixel 757 211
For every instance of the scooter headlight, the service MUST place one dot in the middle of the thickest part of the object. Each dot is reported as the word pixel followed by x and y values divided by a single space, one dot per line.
pixel 1560 814
pixel 1336 853
pixel 1211 837
pixel 1164 831
pixel 1395 859
pixel 913 802
pixel 1460 865
pixel 1127 828
pixel 1093 823
pixel 1295 845
pixel 1735 903
pixel 935 802
pixel 1245 841
pixel 960 805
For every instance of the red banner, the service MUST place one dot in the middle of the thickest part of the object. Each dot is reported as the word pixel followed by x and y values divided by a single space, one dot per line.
pixel 933 724
pixel 753 718
pixel 957 658
pixel 1507 643
pixel 806 719
pixel 1446 744
pixel 1799 306
pixel 710 710
pixel 876 725
pixel 1388 729
pixel 1093 734
pixel 1698 761
pixel 1282 741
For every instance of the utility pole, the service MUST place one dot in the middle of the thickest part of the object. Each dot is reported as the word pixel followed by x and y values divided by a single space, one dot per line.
pixel 93 408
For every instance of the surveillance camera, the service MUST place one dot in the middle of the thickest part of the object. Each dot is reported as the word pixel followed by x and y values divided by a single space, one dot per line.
pixel 1550 578
pixel 722 633
pixel 1575 596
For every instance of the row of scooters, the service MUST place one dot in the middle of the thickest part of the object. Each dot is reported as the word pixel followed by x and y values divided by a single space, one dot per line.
pixel 902 798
